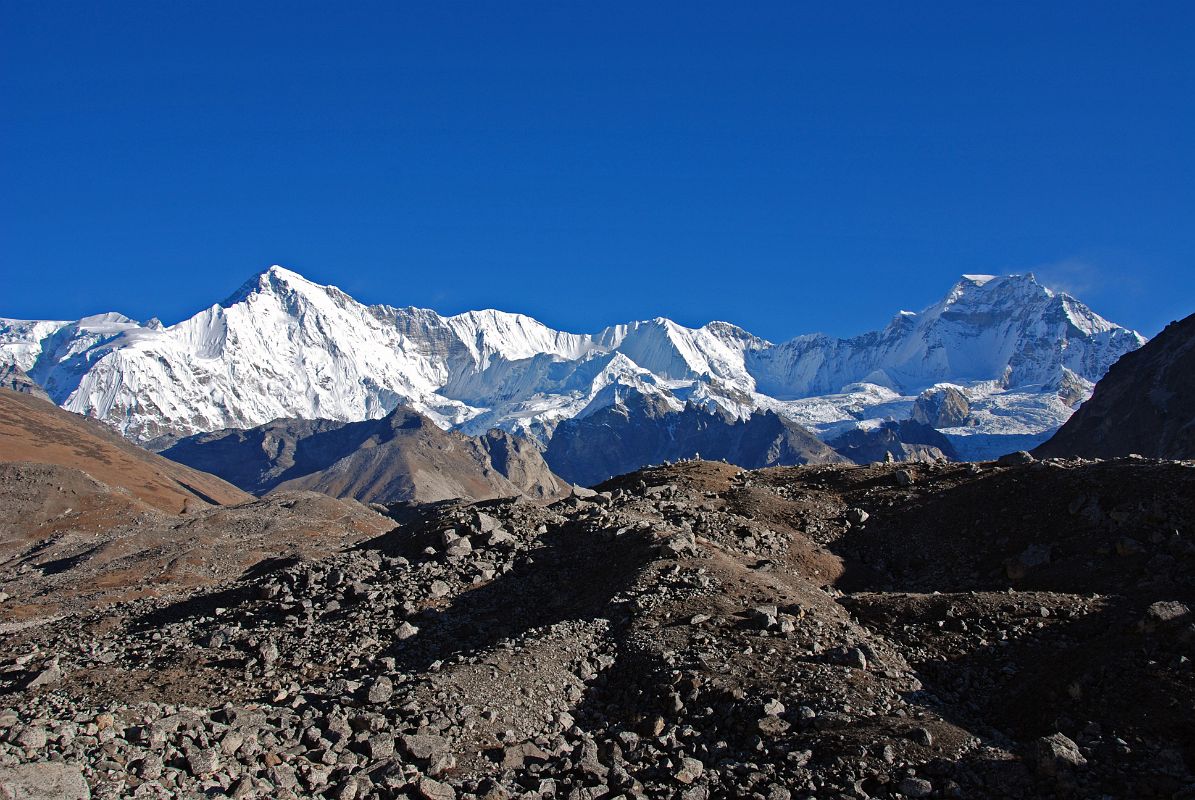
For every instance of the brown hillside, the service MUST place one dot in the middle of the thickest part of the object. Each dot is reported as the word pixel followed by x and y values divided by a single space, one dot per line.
pixel 38 431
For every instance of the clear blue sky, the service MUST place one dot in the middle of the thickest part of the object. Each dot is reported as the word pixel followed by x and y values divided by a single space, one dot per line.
pixel 789 167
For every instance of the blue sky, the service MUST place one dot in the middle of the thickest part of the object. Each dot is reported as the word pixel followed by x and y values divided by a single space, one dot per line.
pixel 789 167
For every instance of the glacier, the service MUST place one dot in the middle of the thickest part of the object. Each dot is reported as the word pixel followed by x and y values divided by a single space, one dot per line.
pixel 286 347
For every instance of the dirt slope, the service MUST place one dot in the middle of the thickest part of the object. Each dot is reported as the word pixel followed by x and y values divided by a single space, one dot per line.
pixel 36 430
pixel 87 518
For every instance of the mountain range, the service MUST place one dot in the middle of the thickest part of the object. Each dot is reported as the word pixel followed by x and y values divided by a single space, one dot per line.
pixel 1020 355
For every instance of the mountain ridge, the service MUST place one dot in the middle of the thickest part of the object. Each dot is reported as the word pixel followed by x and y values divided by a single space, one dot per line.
pixel 282 346
pixel 402 457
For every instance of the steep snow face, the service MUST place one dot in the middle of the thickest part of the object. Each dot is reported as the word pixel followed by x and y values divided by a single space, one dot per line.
pixel 283 346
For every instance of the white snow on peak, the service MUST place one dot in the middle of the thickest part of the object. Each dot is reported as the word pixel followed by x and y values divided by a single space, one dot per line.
pixel 285 346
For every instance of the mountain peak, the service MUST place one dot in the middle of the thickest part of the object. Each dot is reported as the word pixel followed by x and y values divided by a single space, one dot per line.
pixel 996 290
pixel 273 278
pixel 978 280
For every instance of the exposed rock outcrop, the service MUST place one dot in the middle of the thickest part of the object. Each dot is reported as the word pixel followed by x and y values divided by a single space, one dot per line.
pixel 941 407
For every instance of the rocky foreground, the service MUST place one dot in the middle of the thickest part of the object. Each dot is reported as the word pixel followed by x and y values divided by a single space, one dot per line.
pixel 1017 630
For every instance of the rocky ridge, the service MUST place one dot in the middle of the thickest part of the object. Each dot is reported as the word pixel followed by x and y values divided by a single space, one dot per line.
pixel 400 457
pixel 642 429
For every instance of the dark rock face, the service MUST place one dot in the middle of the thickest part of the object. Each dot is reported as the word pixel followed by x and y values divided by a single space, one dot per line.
pixel 643 430
pixel 401 457
pixel 905 440
pixel 941 407
pixel 1144 405
pixel 13 377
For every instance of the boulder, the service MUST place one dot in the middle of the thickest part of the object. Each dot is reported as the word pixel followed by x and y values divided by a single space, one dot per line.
pixel 43 781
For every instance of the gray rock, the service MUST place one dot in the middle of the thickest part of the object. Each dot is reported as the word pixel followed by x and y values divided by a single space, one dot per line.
pixel 380 746
pixel 43 781
pixel 689 770
pixel 485 523
pixel 1012 459
pixel 589 762
pixel 268 653
pixel 149 768
pixel 941 407
pixel 49 676
pixel 283 776
pixel 380 691
pixel 422 747
pixel 517 756
pixel 32 737
pixel 430 789
pixel 500 536
pixel 1056 755
pixel 857 516
pixel 764 616
pixel 772 725
pixel 440 763
pixel 1166 611
pixel 202 761
pixel 853 657
pixel 347 790
pixel 922 736
pixel 915 787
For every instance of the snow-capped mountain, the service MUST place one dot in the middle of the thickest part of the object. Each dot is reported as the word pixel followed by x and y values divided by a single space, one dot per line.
pixel 283 346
